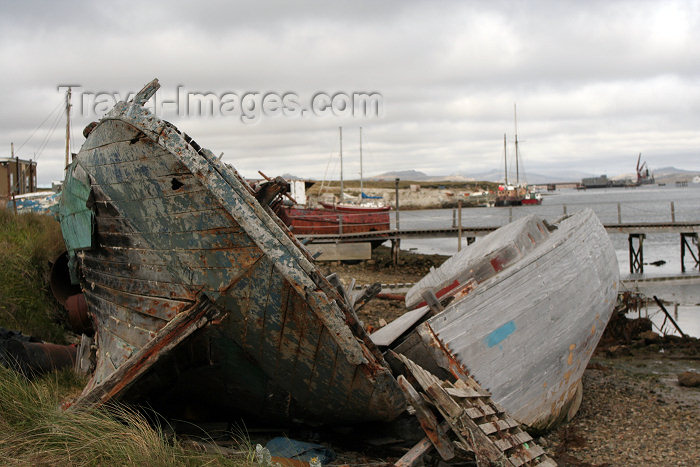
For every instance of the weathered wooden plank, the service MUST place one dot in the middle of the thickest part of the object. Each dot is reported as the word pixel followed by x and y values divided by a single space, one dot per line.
pixel 149 272
pixel 465 392
pixel 176 203
pixel 414 456
pixel 147 189
pixel 123 329
pixel 524 456
pixel 106 156
pixel 172 334
pixel 108 307
pixel 340 251
pixel 157 307
pixel 130 284
pixel 204 220
pixel 478 412
pixel 219 239
pixel 436 434
pixel 367 295
pixel 498 425
pixel 389 333
pixel 103 135
pixel 512 440
pixel 477 439
pixel 136 171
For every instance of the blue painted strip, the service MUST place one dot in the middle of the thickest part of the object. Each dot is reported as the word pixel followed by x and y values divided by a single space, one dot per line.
pixel 499 334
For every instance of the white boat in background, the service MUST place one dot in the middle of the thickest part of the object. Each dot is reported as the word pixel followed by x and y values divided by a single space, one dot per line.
pixel 526 329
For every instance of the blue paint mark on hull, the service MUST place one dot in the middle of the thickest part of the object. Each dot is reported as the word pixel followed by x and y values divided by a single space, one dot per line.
pixel 497 336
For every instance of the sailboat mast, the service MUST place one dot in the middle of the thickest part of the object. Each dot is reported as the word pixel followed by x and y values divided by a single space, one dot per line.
pixel 517 166
pixel 68 95
pixel 361 184
pixel 342 196
pixel 505 158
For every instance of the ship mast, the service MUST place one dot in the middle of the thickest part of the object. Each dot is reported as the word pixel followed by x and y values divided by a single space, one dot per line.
pixel 517 167
pixel 68 105
pixel 360 164
pixel 505 158
pixel 342 196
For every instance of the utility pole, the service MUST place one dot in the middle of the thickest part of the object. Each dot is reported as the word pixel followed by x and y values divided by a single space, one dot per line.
pixel 342 196
pixel 68 105
pixel 517 167
pixel 361 165
pixel 12 155
pixel 505 158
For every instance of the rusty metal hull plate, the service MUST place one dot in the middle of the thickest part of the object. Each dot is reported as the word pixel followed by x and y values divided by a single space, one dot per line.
pixel 171 224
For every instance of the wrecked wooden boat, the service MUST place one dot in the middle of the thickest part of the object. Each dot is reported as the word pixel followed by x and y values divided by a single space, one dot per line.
pixel 495 252
pixel 203 301
pixel 526 328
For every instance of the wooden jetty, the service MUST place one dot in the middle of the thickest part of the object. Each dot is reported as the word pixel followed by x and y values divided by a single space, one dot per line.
pixel 688 231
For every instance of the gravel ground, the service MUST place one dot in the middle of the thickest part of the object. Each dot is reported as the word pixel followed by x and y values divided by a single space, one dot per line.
pixel 633 411
pixel 630 416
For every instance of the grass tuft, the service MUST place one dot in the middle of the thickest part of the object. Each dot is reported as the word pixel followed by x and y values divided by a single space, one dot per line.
pixel 28 242
pixel 35 430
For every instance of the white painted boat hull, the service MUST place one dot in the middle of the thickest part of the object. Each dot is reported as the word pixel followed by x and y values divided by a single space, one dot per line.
pixel 527 333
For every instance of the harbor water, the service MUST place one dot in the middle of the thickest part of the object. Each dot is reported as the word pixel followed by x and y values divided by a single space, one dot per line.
pixel 629 205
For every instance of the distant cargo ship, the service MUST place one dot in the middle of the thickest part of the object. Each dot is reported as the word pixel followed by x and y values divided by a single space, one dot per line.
pixel 644 177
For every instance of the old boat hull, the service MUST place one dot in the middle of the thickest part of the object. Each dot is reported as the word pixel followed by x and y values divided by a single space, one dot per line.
pixel 315 221
pixel 528 332
pixel 198 291
pixel 482 260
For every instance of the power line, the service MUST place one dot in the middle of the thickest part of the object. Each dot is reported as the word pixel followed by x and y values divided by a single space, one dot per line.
pixel 60 104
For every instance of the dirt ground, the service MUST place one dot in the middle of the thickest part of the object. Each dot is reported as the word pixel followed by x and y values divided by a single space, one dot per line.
pixel 633 410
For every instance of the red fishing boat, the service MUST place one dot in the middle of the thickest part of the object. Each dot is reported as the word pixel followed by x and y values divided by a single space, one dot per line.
pixel 309 221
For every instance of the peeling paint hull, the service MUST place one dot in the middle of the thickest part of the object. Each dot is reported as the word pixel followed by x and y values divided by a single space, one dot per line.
pixel 527 331
pixel 159 232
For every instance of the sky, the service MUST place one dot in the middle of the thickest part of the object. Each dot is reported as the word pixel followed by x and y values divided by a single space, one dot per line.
pixel 595 82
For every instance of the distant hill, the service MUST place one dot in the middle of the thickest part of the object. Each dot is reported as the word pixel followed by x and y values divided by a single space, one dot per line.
pixel 536 178
pixel 663 175
pixel 413 175
pixel 490 176
pixel 672 175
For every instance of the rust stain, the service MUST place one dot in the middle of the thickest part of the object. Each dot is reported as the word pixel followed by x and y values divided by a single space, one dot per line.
pixel 498 264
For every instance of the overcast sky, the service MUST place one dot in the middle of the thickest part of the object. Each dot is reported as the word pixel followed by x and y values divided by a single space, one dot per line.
pixel 595 82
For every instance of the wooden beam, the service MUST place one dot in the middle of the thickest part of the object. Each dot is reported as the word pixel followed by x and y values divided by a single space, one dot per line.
pixel 340 251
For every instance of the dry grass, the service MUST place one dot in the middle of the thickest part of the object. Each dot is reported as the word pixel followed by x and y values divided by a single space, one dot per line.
pixel 34 430
pixel 28 242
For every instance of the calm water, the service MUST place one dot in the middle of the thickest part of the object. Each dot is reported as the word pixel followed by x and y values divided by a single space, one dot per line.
pixel 642 204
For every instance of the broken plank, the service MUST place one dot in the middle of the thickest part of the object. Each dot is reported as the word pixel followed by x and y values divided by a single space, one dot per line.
pixel 341 251
pixel 513 440
pixel 367 294
pixel 482 446
pixel 523 456
pixel 415 454
pixel 465 392
pixel 478 412
pixel 498 425
pixel 427 420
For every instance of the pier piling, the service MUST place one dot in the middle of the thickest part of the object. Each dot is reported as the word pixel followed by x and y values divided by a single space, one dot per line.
pixel 636 250
pixel 687 240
